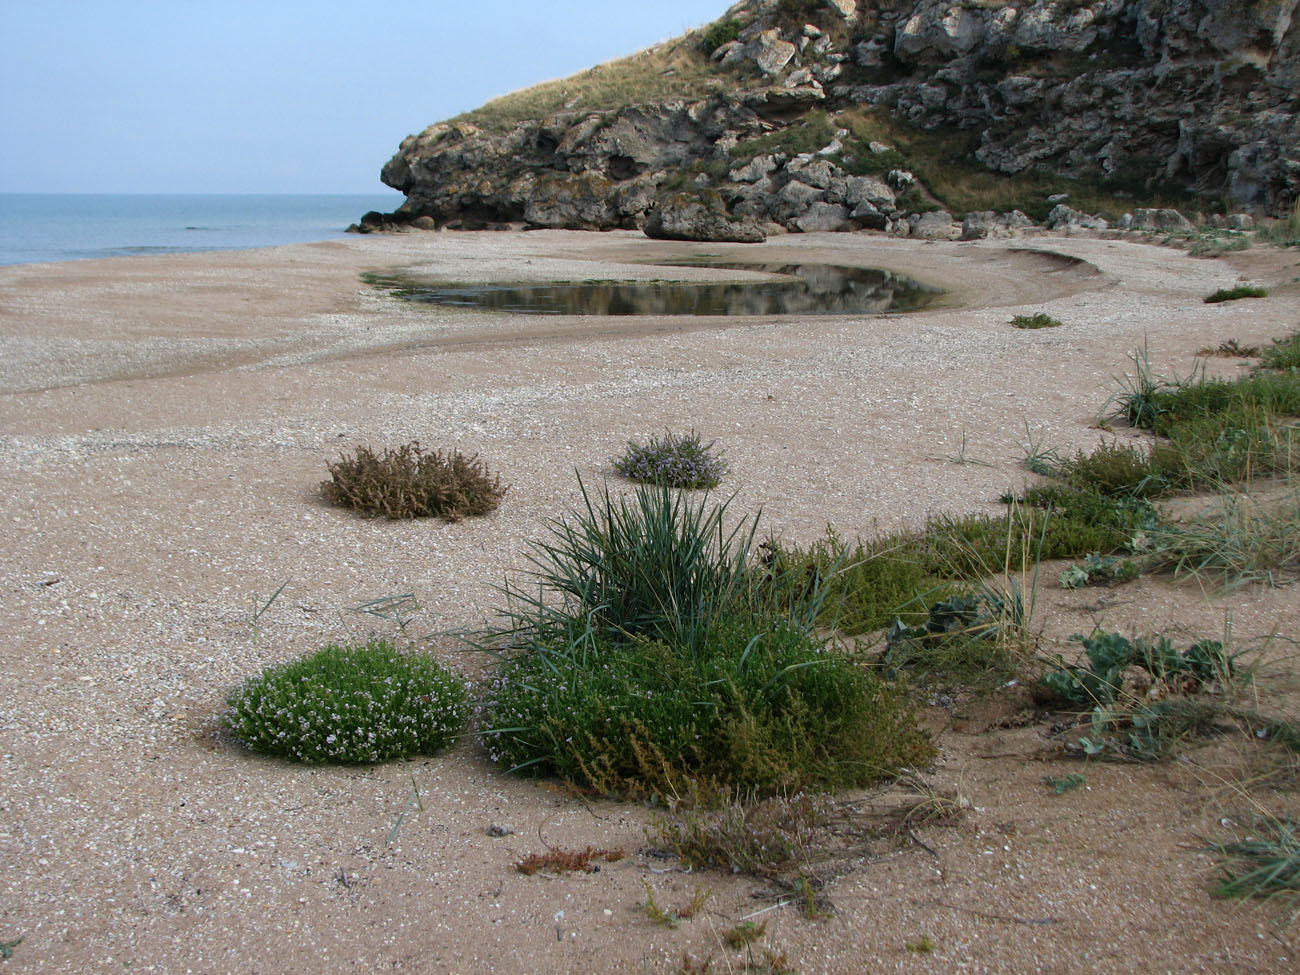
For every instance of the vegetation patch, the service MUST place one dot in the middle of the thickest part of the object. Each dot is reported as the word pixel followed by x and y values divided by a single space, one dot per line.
pixel 1233 294
pixel 567 861
pixel 1036 320
pixel 654 654
pixel 718 33
pixel 1284 353
pixel 350 705
pixel 1100 570
pixel 408 482
pixel 675 460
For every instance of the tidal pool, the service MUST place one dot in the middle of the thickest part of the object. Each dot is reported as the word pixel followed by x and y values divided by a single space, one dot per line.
pixel 803 289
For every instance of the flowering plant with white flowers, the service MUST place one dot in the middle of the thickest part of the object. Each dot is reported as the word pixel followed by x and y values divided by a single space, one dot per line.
pixel 350 705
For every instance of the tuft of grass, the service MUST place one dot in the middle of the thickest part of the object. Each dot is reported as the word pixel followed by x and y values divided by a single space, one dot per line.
pixel 350 705
pixel 870 584
pixel 675 460
pixel 1264 865
pixel 1234 294
pixel 567 861
pixel 1243 540
pixel 1037 320
pixel 922 946
pixel 408 482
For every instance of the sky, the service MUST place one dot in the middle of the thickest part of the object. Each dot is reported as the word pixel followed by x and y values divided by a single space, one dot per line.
pixel 276 96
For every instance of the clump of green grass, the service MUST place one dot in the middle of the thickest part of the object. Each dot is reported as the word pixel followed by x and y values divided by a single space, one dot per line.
pixel 654 654
pixel 1234 294
pixel 409 482
pixel 1242 540
pixel 674 460
pixel 1264 865
pixel 869 584
pixel 672 917
pixel 1036 320
pixel 349 705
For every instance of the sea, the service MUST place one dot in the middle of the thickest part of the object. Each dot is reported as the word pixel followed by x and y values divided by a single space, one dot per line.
pixel 38 227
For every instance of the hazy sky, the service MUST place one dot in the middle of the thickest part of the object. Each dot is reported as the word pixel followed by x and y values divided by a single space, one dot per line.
pixel 276 96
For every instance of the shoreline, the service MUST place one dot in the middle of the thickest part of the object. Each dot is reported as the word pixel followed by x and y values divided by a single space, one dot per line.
pixel 148 516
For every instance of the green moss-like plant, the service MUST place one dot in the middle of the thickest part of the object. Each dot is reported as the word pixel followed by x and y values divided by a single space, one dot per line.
pixel 349 705
pixel 409 482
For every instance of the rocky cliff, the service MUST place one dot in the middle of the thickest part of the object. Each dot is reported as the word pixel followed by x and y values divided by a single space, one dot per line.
pixel 821 114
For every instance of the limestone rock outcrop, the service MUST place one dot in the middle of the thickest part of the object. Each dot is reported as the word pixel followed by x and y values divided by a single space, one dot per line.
pixel 1204 94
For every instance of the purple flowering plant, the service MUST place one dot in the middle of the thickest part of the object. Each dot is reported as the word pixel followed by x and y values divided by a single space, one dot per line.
pixel 675 460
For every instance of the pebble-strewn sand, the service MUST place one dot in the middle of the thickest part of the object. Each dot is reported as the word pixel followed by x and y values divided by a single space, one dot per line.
pixel 164 423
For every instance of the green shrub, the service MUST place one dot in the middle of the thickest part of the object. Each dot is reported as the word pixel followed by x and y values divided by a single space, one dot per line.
pixel 676 460
pixel 718 33
pixel 349 704
pixel 657 652
pixel 756 708
pixel 1037 320
pixel 407 482
pixel 1114 469
pixel 1233 294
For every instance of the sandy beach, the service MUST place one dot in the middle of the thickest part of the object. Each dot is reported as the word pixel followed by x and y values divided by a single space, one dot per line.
pixel 165 424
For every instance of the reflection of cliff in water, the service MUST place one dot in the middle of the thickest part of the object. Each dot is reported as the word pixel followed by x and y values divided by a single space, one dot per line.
pixel 805 289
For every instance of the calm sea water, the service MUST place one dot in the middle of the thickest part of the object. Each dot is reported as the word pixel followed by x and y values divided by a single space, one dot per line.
pixel 57 227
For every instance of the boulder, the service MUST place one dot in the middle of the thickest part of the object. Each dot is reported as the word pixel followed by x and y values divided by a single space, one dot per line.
pixel 1163 221
pixel 702 217
pixel 1067 218
pixel 935 225
pixel 823 217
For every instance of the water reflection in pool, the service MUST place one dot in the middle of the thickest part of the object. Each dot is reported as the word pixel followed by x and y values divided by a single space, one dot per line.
pixel 804 289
